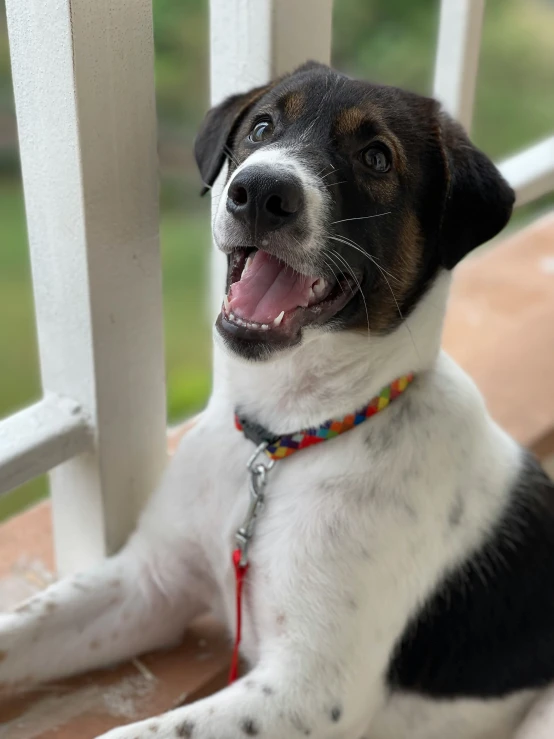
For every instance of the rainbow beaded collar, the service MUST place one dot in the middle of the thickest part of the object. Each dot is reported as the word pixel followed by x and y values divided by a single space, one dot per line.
pixel 279 447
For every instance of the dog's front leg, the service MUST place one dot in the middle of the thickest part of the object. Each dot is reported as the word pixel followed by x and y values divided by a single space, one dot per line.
pixel 285 698
pixel 141 599
pixel 128 604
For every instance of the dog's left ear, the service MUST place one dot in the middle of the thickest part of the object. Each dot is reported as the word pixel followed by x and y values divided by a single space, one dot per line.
pixel 215 138
pixel 478 201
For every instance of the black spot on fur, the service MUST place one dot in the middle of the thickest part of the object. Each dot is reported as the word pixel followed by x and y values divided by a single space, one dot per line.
pixel 381 439
pixel 249 727
pixel 336 713
pixel 185 729
pixel 267 690
pixel 486 631
pixel 456 513
pixel 406 410
pixel 299 725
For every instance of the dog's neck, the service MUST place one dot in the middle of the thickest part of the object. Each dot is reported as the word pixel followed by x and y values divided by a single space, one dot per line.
pixel 332 373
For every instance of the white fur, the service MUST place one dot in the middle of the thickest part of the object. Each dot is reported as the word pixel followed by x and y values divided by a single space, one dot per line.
pixel 353 537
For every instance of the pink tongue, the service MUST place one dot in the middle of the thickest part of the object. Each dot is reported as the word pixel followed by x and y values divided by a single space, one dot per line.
pixel 267 288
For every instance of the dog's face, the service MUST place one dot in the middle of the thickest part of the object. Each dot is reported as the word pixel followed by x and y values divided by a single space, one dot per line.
pixel 343 201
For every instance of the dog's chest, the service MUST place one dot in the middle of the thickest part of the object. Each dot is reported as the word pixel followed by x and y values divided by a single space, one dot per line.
pixel 340 523
pixel 316 520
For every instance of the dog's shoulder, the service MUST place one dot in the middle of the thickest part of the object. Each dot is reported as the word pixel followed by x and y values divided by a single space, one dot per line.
pixel 486 630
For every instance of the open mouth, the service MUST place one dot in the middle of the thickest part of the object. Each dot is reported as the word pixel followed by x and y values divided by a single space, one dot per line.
pixel 268 300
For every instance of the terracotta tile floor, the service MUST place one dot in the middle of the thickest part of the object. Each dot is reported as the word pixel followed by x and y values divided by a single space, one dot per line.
pixel 499 327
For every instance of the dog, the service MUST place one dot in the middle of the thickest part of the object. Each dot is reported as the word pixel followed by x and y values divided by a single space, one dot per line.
pixel 396 579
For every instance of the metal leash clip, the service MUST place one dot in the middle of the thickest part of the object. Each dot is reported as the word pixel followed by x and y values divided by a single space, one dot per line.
pixel 258 472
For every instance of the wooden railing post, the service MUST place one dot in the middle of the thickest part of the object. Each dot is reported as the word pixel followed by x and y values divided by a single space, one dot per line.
pixel 84 90
pixel 457 59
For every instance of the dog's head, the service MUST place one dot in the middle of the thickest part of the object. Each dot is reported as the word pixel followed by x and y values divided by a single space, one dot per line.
pixel 343 201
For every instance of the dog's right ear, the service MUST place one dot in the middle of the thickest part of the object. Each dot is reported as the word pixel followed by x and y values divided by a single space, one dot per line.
pixel 477 202
pixel 215 139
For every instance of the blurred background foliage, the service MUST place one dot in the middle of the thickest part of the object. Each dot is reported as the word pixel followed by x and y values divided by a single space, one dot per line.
pixel 390 41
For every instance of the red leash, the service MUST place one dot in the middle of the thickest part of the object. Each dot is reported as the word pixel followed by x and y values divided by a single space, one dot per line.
pixel 240 574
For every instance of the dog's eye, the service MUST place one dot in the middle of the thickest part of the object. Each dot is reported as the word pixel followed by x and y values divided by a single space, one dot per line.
pixel 261 131
pixel 377 158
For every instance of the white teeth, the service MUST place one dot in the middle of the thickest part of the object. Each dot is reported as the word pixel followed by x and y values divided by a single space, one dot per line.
pixel 226 303
pixel 319 287
pixel 277 321
pixel 251 324
pixel 247 266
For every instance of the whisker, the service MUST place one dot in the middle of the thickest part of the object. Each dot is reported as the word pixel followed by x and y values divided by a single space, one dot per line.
pixel 361 218
pixel 371 258
pixel 353 244
pixel 333 273
pixel 384 273
pixel 332 184
pixel 323 170
pixel 331 172
pixel 231 156
pixel 350 270
pixel 358 248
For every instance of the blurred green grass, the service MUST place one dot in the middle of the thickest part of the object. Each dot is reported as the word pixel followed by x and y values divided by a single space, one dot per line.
pixel 185 242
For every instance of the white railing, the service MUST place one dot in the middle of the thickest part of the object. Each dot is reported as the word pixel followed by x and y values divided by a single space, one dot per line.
pixel 530 172
pixel 84 89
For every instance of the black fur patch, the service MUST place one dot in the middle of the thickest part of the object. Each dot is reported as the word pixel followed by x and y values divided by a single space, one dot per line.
pixel 336 713
pixel 488 630
pixel 249 727
pixel 185 730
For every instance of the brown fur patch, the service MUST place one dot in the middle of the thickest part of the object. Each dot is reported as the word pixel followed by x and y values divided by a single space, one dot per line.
pixel 401 274
pixel 408 256
pixel 349 121
pixel 3 656
pixel 294 105
pixel 352 119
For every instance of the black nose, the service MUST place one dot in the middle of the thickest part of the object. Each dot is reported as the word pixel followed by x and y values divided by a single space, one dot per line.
pixel 264 200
